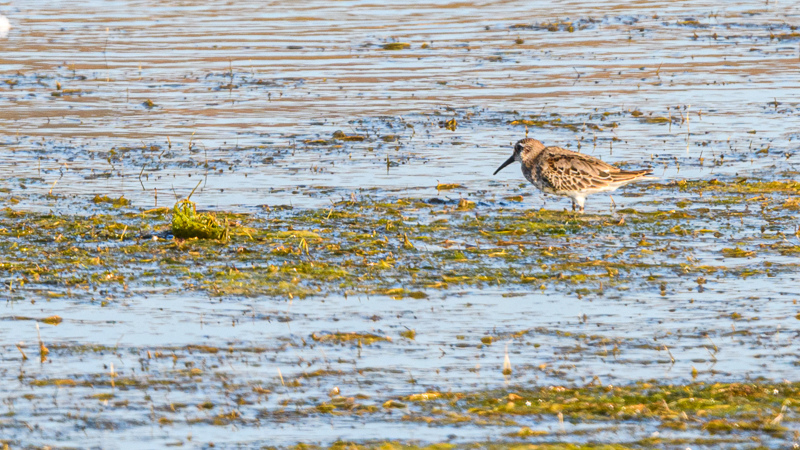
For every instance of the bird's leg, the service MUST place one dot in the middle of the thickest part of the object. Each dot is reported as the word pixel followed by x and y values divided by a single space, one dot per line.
pixel 613 203
pixel 573 204
pixel 580 201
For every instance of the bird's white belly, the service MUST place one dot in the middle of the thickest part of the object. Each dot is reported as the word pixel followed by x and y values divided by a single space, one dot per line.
pixel 580 193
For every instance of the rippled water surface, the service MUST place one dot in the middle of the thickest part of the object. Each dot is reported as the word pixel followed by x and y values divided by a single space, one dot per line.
pixel 271 105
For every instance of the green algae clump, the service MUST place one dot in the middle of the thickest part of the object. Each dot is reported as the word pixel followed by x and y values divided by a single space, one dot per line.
pixel 396 46
pixel 115 202
pixel 188 224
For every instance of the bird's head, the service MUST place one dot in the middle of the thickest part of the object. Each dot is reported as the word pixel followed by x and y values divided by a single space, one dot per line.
pixel 524 149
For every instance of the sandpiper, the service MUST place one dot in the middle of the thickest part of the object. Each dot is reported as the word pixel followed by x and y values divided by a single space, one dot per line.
pixel 558 171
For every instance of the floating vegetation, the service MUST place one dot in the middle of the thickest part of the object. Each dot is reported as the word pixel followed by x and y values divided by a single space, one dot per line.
pixel 465 204
pixel 340 135
pixel 789 36
pixel 409 334
pixel 396 46
pixel 447 186
pixel 119 202
pixel 737 253
pixel 67 92
pixel 555 123
pixel 555 26
pixel 386 247
pixel 657 119
pixel 706 407
pixel 188 224
pixel 52 320
pixel 741 185
pixel 691 22
pixel 358 338
pixel 450 124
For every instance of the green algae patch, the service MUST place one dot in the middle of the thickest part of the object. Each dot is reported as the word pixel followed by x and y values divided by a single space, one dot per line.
pixel 691 23
pixel 342 338
pixel 394 404
pixel 54 382
pixel 398 293
pixel 552 26
pixel 52 320
pixel 447 186
pixel 709 411
pixel 202 348
pixel 740 186
pixel 103 396
pixel 527 432
pixel 717 406
pixel 737 253
pixel 465 204
pixel 67 92
pixel 396 46
pixel 790 251
pixel 342 136
pixel 319 142
pixel 552 123
pixel 789 36
pixel 403 248
pixel 295 234
pixel 249 284
pixel 657 119
pixel 115 202
pixel 188 224
pixel 409 334
pixel 425 396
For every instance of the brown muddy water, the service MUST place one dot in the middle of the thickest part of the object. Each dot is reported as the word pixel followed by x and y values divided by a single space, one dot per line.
pixel 374 258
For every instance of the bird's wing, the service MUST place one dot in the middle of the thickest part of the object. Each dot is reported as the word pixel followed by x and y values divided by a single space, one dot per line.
pixel 565 170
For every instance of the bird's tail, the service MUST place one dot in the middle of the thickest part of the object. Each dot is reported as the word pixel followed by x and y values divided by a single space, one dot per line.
pixel 626 176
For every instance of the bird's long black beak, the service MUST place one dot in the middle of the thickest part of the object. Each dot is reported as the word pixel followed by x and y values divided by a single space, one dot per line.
pixel 502 166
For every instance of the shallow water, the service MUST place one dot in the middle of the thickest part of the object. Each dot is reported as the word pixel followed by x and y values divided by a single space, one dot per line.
pixel 246 85
pixel 246 98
